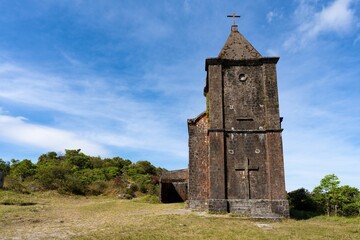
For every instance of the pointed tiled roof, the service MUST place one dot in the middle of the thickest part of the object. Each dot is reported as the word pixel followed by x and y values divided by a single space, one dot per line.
pixel 237 47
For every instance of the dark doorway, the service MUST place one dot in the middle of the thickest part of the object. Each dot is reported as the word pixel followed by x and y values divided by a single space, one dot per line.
pixel 173 192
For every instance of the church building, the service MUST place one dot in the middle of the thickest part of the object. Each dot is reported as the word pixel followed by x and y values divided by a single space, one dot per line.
pixel 235 146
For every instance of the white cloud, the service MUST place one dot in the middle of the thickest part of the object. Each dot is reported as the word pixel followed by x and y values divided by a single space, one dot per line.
pixel 338 17
pixel 16 130
pixel 93 108
pixel 271 15
pixel 273 52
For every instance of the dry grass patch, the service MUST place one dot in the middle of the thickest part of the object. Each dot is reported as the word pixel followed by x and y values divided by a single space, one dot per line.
pixel 71 217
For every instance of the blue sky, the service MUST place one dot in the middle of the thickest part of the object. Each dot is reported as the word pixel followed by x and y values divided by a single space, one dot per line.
pixel 121 78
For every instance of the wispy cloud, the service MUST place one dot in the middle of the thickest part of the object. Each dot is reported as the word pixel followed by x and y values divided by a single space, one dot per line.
pixel 337 17
pixel 70 59
pixel 17 131
pixel 91 112
pixel 123 76
pixel 271 15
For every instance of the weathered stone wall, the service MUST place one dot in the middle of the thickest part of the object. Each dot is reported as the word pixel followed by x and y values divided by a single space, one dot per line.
pixel 216 134
pixel 236 158
pixel 246 150
pixel 243 99
pixel 198 161
pixel 271 95
pixel 276 162
pixel 259 208
pixel 252 124
pixel 245 145
pixel 181 175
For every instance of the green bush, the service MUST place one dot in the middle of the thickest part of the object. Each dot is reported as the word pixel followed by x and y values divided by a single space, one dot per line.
pixel 78 159
pixel 351 210
pixel 302 200
pixel 74 185
pixel 302 215
pixel 13 183
pixel 131 190
pixel 52 177
pixel 97 188
pixel 22 169
pixel 153 199
pixel 133 187
pixel 4 167
pixel 77 173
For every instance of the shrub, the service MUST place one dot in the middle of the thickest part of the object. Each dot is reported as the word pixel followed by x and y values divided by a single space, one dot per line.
pixel 73 184
pixel 13 183
pixel 132 189
pixel 351 210
pixel 301 199
pixel 148 199
pixel 96 188
pixel 52 177
pixel 22 169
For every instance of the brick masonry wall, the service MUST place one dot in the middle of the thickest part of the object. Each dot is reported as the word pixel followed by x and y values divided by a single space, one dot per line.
pixel 259 208
pixel 236 158
pixel 245 145
pixel 198 158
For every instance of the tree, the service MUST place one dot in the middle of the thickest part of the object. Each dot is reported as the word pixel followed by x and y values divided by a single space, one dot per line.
pixel 327 193
pixel 4 170
pixel 48 158
pixel 77 173
pixel 4 167
pixel 301 199
pixel 350 201
pixel 22 169
pixel 78 159
pixel 117 162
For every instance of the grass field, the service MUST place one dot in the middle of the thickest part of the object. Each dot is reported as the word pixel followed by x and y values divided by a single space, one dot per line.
pixel 53 216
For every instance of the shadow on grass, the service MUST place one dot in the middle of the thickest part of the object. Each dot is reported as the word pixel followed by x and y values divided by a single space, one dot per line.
pixel 17 203
pixel 302 215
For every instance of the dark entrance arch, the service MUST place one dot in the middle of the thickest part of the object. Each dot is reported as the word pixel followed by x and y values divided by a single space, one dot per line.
pixel 174 186
pixel 173 192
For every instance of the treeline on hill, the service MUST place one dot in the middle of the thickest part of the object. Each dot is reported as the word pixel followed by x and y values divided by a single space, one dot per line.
pixel 77 173
pixel 328 198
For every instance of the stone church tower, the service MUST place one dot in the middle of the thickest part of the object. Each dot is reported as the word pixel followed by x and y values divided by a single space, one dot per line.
pixel 236 156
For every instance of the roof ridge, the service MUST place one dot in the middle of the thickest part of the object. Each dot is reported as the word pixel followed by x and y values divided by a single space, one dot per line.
pixel 237 47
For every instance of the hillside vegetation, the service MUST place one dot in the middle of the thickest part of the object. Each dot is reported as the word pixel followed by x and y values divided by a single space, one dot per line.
pixel 75 173
pixel 80 174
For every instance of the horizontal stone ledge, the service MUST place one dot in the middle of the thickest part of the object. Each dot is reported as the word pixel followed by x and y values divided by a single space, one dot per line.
pixel 243 62
pixel 173 180
pixel 244 131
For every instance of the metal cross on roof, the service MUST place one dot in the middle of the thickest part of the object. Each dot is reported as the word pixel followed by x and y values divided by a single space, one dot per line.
pixel 233 16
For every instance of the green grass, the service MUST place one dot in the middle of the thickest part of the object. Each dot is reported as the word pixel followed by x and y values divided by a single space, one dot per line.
pixel 57 216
